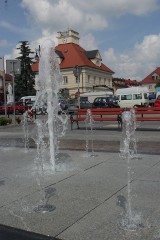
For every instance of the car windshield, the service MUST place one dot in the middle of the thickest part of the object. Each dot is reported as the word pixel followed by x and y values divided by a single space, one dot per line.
pixel 113 98
pixel 72 101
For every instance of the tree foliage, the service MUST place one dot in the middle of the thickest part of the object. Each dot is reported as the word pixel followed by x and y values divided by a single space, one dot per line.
pixel 25 82
pixel 157 83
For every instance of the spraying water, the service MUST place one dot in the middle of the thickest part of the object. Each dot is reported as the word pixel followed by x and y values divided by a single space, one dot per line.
pixel 48 83
pixel 89 122
pixel 47 132
pixel 128 150
pixel 26 132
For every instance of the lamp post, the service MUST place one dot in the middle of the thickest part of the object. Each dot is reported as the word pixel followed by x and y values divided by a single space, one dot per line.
pixel 13 67
pixel 77 72
pixel 38 52
pixel 4 86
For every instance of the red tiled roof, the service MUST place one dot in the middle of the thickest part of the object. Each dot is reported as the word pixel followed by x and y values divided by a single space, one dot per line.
pixel 149 79
pixel 74 55
pixel 130 82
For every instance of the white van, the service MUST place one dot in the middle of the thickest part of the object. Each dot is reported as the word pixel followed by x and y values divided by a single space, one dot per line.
pixel 132 97
pixel 27 99
pixel 90 96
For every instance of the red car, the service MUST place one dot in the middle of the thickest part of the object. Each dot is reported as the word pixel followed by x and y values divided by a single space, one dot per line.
pixel 157 102
pixel 19 108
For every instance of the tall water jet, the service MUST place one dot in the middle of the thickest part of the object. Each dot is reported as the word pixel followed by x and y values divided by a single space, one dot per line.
pixel 26 132
pixel 128 151
pixel 89 122
pixel 47 132
pixel 48 85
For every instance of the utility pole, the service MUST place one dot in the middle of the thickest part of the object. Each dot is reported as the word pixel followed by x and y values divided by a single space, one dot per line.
pixel 4 85
pixel 13 67
pixel 77 72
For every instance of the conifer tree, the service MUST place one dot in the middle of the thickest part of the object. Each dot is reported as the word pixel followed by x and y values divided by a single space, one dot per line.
pixel 25 82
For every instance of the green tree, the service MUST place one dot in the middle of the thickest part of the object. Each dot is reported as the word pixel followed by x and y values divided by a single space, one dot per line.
pixel 157 83
pixel 25 82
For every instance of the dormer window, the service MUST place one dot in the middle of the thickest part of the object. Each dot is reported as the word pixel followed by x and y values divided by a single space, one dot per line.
pixel 95 57
pixel 97 62
pixel 155 76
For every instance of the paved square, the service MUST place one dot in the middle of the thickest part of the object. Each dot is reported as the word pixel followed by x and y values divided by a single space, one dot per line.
pixel 81 197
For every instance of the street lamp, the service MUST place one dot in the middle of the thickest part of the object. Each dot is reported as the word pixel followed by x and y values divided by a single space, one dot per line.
pixel 77 72
pixel 38 53
pixel 4 86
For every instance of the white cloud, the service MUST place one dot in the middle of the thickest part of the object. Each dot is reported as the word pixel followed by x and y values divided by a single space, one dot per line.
pixel 51 16
pixel 88 42
pixel 117 7
pixel 11 27
pixel 87 15
pixel 43 39
pixel 3 43
pixel 139 62
pixel 94 21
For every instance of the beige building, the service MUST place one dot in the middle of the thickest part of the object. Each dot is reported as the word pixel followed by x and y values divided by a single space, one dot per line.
pixel 82 70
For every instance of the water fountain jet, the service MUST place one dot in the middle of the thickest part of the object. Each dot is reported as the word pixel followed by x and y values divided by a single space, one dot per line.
pixel 46 133
pixel 48 84
pixel 128 151
pixel 89 122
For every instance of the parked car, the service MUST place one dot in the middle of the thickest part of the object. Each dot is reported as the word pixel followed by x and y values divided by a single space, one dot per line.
pixel 157 102
pixel 152 99
pixel 63 104
pixel 73 105
pixel 132 97
pixel 36 109
pixel 26 99
pixel 62 107
pixel 19 108
pixel 105 102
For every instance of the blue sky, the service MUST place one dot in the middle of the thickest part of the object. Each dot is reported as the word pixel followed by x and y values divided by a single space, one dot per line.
pixel 126 32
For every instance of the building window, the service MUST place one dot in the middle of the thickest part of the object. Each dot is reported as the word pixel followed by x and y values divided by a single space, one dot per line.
pixel 137 96
pixel 89 78
pixel 150 87
pixel 104 81
pixel 97 62
pixel 94 80
pixel 99 80
pixel 126 97
pixel 65 80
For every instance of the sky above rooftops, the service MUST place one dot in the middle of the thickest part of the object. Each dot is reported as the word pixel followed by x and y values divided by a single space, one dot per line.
pixel 126 32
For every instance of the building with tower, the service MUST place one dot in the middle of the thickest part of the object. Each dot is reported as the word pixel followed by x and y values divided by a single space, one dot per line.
pixel 82 70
